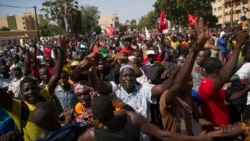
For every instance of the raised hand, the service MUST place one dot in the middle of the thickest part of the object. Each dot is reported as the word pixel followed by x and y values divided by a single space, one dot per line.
pixel 63 44
pixel 92 122
pixel 203 35
pixel 241 36
pixel 66 116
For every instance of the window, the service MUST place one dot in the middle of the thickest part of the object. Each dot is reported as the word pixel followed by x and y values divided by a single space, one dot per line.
pixel 220 8
pixel 214 9
pixel 237 3
pixel 23 23
pixel 220 17
pixel 24 27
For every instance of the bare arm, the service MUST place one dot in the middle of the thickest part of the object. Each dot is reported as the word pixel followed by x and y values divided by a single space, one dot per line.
pixel 157 90
pixel 58 68
pixel 138 72
pixel 102 87
pixel 150 129
pixel 186 69
pixel 237 95
pixel 87 135
pixel 118 40
pixel 182 77
pixel 93 44
pixel 229 68
pixel 227 131
pixel 79 68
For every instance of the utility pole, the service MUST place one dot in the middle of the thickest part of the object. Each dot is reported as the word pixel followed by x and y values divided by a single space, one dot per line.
pixel 231 14
pixel 38 35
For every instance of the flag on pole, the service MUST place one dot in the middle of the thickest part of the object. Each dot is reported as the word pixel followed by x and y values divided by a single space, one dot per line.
pixel 147 34
pixel 163 23
pixel 191 19
pixel 109 30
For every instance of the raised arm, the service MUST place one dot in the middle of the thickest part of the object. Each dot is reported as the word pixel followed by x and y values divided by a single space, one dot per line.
pixel 118 39
pixel 93 44
pixel 186 69
pixel 58 68
pixel 83 65
pixel 228 69
pixel 103 87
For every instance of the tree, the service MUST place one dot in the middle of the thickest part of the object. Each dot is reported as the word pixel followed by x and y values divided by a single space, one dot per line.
pixel 4 28
pixel 50 30
pixel 62 12
pixel 90 16
pixel 149 21
pixel 177 10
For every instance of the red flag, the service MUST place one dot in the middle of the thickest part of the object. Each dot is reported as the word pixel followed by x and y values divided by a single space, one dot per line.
pixel 109 30
pixel 191 19
pixel 163 23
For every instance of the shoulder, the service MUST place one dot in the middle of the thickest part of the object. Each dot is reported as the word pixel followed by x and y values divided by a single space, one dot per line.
pixel 45 93
pixel 145 86
pixel 88 135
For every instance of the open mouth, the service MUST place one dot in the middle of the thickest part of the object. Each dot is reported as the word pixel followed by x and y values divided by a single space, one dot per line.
pixel 128 83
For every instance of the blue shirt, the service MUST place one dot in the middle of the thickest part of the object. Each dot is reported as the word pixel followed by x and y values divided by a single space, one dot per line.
pixel 222 44
pixel 66 99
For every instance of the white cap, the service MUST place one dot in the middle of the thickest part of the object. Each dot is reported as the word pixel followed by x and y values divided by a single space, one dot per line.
pixel 222 33
pixel 150 52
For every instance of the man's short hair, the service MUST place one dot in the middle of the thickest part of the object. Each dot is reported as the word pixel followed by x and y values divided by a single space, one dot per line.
pixel 102 108
pixel 28 79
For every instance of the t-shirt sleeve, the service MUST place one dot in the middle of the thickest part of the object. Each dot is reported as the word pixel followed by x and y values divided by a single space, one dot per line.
pixel 206 88
pixel 243 72
pixel 147 88
pixel 114 88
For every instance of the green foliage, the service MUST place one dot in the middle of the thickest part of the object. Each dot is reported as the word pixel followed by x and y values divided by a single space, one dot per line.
pixel 4 28
pixel 50 30
pixel 176 10
pixel 90 16
pixel 149 21
pixel 97 29
pixel 62 12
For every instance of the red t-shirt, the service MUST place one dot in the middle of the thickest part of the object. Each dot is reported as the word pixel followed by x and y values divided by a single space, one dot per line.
pixel 47 52
pixel 51 70
pixel 213 103
pixel 127 50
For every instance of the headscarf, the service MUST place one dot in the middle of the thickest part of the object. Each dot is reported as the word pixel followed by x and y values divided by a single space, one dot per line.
pixel 78 87
pixel 79 106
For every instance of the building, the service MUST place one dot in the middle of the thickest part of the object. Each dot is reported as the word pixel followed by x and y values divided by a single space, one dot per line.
pixel 109 20
pixel 222 10
pixel 27 21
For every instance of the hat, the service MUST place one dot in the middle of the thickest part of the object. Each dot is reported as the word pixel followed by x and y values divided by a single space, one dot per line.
pixel 74 63
pixel 222 33
pixel 150 52
pixel 131 58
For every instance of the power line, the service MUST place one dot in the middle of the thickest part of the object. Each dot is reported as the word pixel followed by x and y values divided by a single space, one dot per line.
pixel 15 6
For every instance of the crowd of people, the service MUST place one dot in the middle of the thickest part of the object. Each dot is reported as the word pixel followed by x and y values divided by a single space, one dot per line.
pixel 183 85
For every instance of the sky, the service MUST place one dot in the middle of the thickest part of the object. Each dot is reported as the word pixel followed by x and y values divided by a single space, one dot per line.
pixel 125 9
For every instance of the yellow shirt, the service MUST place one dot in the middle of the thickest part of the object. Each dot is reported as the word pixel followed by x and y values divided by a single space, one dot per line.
pixel 175 44
pixel 31 130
